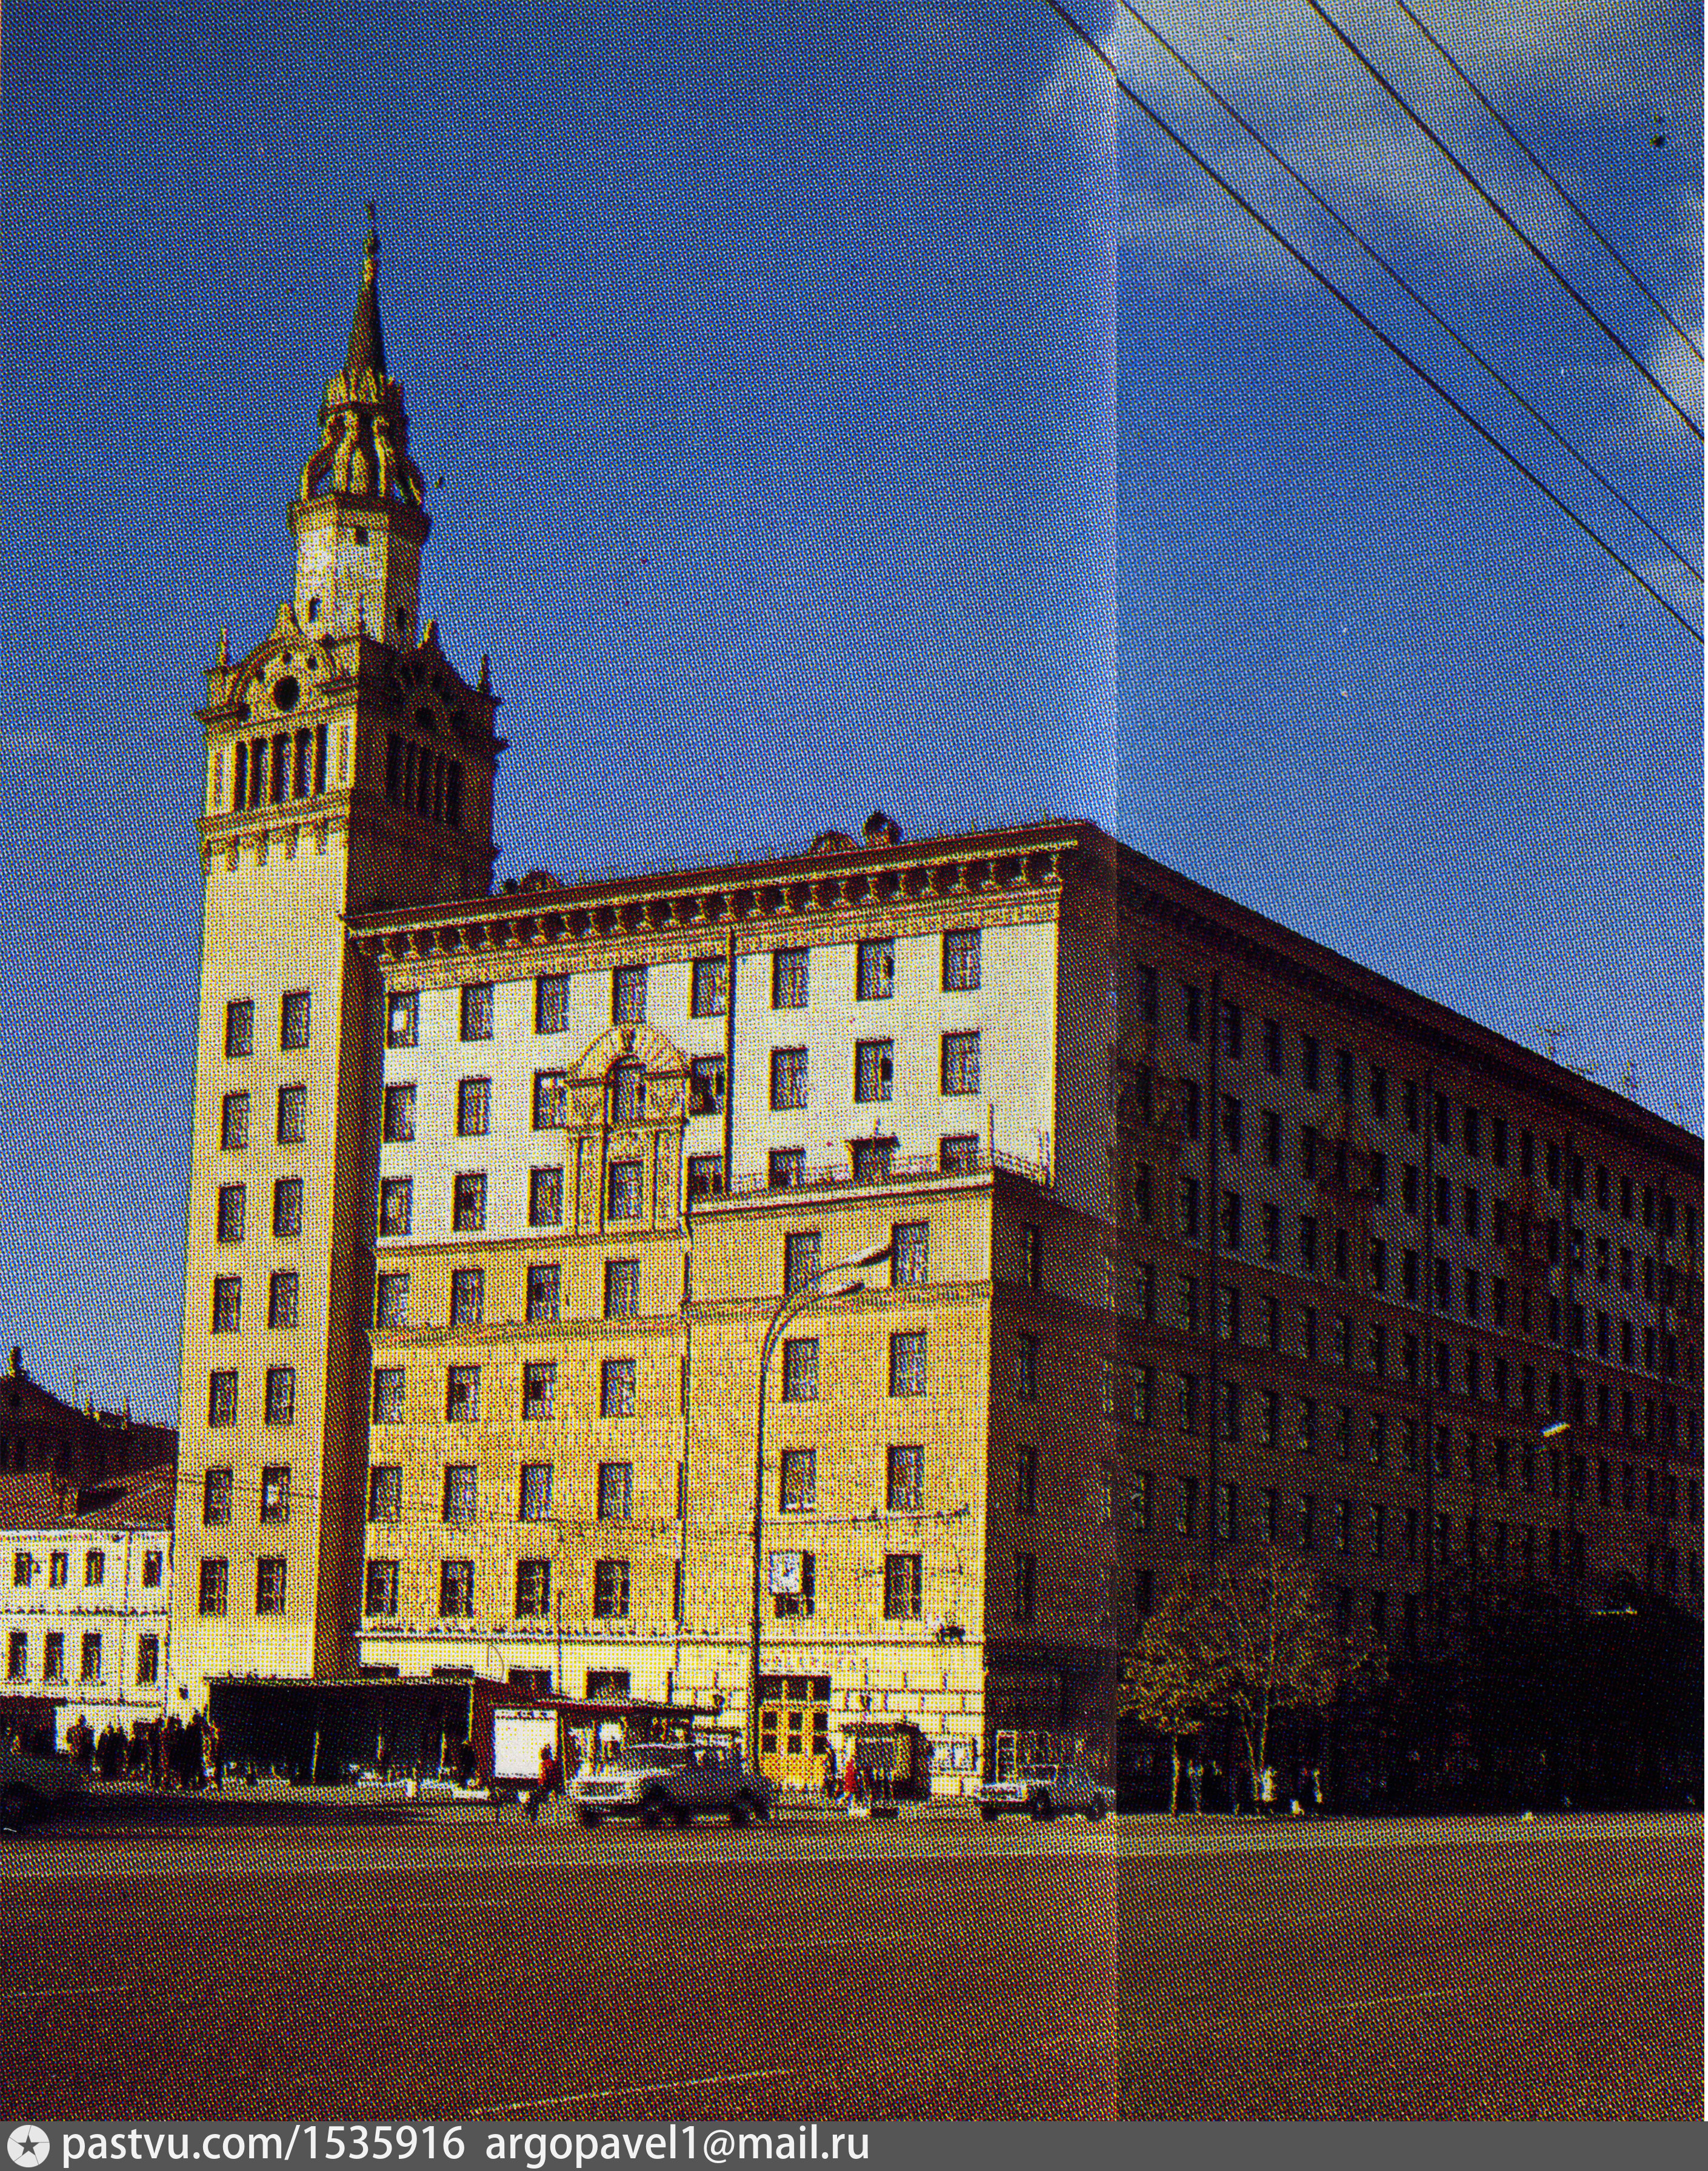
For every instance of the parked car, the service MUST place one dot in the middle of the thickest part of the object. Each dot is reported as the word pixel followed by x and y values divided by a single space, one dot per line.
pixel 675 1779
pixel 1045 1791
pixel 30 1785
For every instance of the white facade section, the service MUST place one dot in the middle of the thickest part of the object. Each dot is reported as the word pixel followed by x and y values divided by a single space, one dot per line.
pixel 79 1608
pixel 1012 1012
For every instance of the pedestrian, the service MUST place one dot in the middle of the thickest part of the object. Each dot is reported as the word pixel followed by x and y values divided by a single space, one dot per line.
pixel 1195 1782
pixel 1316 1789
pixel 545 1786
pixel 850 1782
pixel 1266 1792
pixel 216 1753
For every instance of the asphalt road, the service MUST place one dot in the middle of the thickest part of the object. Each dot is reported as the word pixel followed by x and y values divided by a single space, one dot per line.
pixel 286 1960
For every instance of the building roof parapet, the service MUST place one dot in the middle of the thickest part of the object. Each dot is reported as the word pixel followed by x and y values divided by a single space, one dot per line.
pixel 907 1171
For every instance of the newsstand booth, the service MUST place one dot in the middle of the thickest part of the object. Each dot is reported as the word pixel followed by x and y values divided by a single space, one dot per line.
pixel 510 1727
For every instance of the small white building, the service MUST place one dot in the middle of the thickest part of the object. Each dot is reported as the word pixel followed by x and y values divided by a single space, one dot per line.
pixel 86 1601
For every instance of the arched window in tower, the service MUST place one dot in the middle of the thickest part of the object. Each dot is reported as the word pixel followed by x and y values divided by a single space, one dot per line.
pixel 258 771
pixel 313 609
pixel 280 768
pixel 394 768
pixel 453 795
pixel 319 759
pixel 239 776
pixel 303 778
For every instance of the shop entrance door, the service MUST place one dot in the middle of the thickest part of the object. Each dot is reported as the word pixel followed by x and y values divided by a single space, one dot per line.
pixel 794 1729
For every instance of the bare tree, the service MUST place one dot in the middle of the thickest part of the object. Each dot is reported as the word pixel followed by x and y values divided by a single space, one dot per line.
pixel 1275 1649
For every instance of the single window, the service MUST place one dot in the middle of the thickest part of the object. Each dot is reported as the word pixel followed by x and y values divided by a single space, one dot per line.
pixel 534 1500
pixel 385 1492
pixel 287 1209
pixel 904 1492
pixel 468 1201
pixel 533 1590
pixel 798 1486
pixel 910 1253
pixel 380 1597
pixel 231 1216
pixel 875 970
pixel 228 1303
pixel 474 1011
pixel 461 1496
pixel 456 1589
pixel 403 1020
pixel 462 1394
pixel 706 1085
pixel 962 960
pixel 617 1387
pixel 907 1363
pixel 789 980
pixel 709 991
pixel 961 1067
pixel 788 1078
pixel 801 1369
pixel 803 1255
pixel 397 1196
pixel 538 1390
pixel 239 1028
pixel 545 1198
pixel 551 1100
pixel 875 1070
pixel 281 1298
pixel 610 1590
pixel 629 995
pixel 616 1492
pixel 391 1303
pixel 281 1394
pixel 544 1291
pixel 624 1182
pixel 234 1123
pixel 902 1586
pixel 389 1395
pixel 398 1115
pixel 551 1002
pixel 467 1297
pixel 270 1584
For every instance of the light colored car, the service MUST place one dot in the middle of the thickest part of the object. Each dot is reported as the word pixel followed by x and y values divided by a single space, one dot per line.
pixel 1045 1791
pixel 678 1780
pixel 31 1784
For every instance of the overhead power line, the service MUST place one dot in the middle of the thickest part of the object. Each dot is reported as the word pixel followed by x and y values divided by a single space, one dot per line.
pixel 1511 133
pixel 1505 218
pixel 1410 291
pixel 1375 330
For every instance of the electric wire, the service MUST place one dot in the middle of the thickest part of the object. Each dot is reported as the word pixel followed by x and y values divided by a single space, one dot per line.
pixel 1506 219
pixel 1375 330
pixel 1511 133
pixel 1410 291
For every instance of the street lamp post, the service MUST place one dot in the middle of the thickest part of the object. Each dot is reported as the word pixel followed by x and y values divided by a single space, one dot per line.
pixel 832 1282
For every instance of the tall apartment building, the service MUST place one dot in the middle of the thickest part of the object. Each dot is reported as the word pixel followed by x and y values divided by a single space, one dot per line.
pixel 1195 1238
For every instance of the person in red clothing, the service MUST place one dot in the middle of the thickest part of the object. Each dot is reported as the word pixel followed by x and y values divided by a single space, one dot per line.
pixel 547 1785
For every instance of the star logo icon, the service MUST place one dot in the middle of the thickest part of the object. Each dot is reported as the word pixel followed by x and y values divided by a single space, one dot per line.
pixel 28 2145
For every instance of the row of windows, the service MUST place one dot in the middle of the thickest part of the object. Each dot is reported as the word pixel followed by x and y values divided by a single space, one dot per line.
pixel 291 1123
pixel 26 1570
pixel 612 1589
pixel 280 1399
pixel 91 1670
pixel 617 1383
pixel 802 1254
pixel 709 989
pixel 214 1587
pixel 1656 1209
pixel 1233 1314
pixel 425 783
pixel 232 1210
pixel 293 1024
pixel 267 772
pixel 229 1300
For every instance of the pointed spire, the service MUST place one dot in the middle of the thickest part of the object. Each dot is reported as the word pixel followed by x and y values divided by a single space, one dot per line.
pixel 366 340
pixel 221 657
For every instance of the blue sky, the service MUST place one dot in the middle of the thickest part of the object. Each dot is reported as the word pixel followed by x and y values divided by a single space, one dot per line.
pixel 842 410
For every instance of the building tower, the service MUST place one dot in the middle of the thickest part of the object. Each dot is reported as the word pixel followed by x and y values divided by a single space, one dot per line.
pixel 349 766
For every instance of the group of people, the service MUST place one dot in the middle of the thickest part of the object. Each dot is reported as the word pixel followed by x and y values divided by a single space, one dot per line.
pixel 853 1784
pixel 1263 1794
pixel 166 1753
